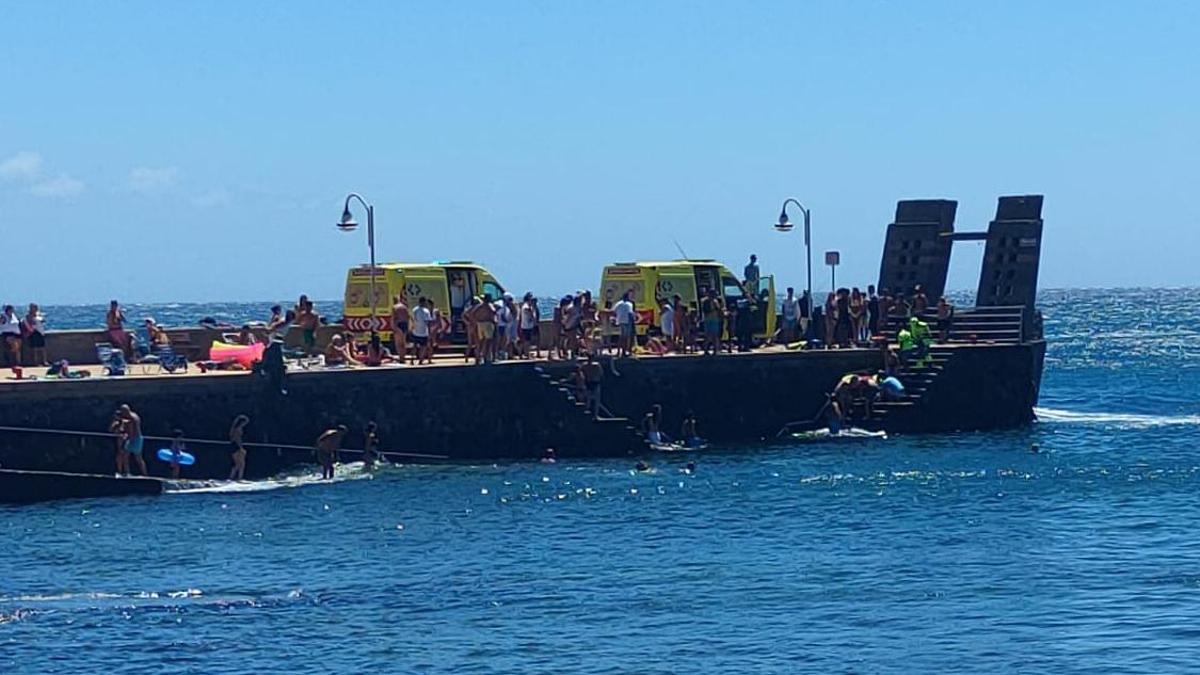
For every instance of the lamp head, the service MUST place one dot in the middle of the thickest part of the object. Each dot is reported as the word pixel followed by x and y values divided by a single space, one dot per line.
pixel 784 224
pixel 347 223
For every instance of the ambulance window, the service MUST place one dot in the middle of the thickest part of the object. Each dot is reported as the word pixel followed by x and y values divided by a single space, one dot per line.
pixel 493 289
pixel 731 287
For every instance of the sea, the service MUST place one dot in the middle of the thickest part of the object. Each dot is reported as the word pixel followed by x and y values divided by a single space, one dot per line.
pixel 948 553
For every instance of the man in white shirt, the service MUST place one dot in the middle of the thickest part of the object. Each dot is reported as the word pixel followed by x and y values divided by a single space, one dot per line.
pixel 791 315
pixel 529 325
pixel 623 311
pixel 421 318
pixel 667 323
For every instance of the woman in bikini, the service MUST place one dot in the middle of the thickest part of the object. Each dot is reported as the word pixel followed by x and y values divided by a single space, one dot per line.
pixel 237 449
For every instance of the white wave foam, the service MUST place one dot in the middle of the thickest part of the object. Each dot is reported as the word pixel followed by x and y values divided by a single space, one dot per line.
pixel 341 473
pixel 1132 420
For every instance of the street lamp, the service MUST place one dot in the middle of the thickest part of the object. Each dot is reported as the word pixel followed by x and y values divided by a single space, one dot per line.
pixel 349 224
pixel 785 225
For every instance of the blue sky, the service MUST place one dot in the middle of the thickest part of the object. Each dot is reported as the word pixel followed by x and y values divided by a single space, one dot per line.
pixel 201 151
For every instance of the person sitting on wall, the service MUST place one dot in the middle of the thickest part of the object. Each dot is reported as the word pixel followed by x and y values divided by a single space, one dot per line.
pixel 158 334
pixel 338 353
pixel 246 336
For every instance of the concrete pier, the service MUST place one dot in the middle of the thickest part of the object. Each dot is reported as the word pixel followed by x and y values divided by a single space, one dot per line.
pixel 511 410
pixel 27 487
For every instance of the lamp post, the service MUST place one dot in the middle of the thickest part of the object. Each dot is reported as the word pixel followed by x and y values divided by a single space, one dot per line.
pixel 785 225
pixel 348 224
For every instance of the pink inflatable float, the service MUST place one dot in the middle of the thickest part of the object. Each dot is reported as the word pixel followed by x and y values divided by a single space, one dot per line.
pixel 242 354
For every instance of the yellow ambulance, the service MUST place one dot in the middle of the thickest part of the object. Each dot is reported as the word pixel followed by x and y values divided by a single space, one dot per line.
pixel 653 282
pixel 450 285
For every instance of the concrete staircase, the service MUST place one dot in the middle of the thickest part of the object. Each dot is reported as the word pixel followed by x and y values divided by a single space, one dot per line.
pixel 974 325
pixel 917 382
pixel 617 431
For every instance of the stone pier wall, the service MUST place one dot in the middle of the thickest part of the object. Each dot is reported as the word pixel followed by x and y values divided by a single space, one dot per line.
pixel 480 414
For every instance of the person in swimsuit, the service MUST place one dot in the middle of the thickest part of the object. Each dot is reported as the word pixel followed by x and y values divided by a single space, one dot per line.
pixel 371 447
pixel 178 447
pixel 400 318
pixel 134 441
pixel 945 316
pixel 114 323
pixel 117 427
pixel 650 429
pixel 593 376
pixel 236 448
pixel 485 324
pixel 11 329
pixel 687 431
pixel 328 445
pixel 308 320
pixel 34 329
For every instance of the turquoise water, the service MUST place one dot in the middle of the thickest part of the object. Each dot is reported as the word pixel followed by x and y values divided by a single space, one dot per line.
pixel 953 553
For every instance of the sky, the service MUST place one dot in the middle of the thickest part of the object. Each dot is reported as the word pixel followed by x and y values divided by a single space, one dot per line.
pixel 201 151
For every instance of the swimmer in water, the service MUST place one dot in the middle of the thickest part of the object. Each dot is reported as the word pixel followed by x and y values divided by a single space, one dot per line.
pixel 650 428
pixel 177 450
pixel 549 457
pixel 237 449
pixel 641 466
pixel 328 445
pixel 371 447
pixel 690 468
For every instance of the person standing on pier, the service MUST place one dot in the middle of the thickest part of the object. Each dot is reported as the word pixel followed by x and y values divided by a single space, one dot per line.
pixel 307 319
pixel 422 320
pixel 134 441
pixel 791 316
pixel 34 328
pixel 530 318
pixel 400 319
pixel 751 274
pixel 114 323
pixel 10 328
pixel 328 445
pixel 624 313
pixel 485 323
pixel 237 449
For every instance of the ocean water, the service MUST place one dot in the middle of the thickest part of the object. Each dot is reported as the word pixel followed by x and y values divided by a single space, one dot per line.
pixel 951 553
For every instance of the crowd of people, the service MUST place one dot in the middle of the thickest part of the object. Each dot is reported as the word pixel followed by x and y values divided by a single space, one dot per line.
pixel 126 428
pixel 850 317
pixel 503 328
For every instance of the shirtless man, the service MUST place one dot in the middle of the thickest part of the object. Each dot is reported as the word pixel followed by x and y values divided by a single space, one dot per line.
pixel 236 448
pixel 593 377
pixel 485 324
pixel 371 446
pixel 131 424
pixel 308 320
pixel 328 445
pixel 400 319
